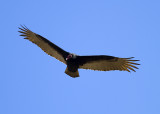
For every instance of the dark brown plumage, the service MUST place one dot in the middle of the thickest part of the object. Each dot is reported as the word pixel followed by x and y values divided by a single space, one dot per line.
pixel 74 62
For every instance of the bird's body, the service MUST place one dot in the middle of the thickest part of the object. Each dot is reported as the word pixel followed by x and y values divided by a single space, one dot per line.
pixel 72 67
pixel 75 62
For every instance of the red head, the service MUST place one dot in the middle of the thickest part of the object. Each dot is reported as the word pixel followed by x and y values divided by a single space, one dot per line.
pixel 69 56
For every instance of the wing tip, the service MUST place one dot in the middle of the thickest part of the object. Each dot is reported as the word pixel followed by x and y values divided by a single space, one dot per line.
pixel 130 64
pixel 23 28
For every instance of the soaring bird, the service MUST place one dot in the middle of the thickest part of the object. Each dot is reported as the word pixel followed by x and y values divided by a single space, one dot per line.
pixel 75 62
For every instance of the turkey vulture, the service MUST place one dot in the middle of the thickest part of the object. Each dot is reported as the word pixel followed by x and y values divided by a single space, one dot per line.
pixel 74 62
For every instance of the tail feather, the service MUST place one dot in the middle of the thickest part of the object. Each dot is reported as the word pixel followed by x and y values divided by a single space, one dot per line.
pixel 72 74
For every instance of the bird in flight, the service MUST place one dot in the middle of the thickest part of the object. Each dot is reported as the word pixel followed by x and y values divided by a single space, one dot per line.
pixel 75 62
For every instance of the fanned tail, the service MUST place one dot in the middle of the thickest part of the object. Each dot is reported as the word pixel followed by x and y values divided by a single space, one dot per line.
pixel 72 74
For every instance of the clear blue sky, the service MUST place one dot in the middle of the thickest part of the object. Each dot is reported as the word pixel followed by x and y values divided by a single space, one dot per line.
pixel 31 82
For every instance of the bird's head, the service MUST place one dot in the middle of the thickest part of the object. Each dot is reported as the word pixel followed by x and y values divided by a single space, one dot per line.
pixel 71 56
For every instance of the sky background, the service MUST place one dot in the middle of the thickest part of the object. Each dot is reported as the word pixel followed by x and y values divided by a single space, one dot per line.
pixel 31 82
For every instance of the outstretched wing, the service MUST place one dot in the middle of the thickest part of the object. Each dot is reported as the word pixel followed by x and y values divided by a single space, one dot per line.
pixel 47 46
pixel 106 63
